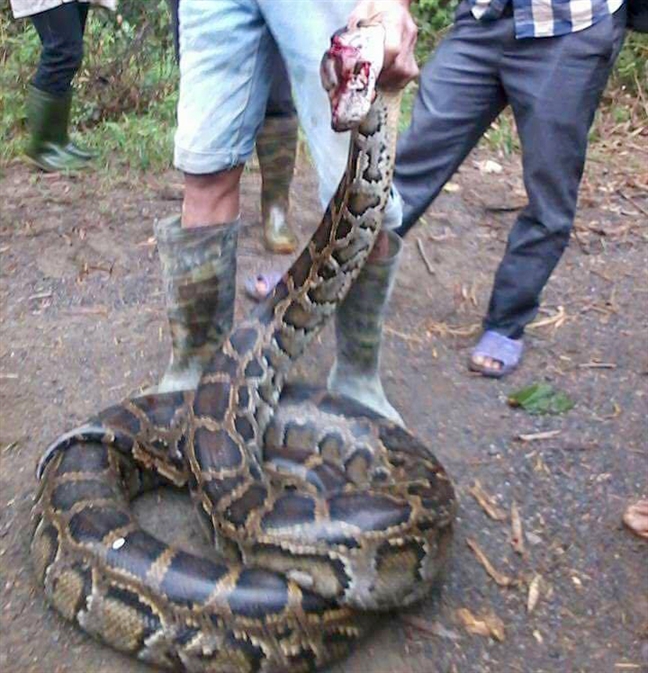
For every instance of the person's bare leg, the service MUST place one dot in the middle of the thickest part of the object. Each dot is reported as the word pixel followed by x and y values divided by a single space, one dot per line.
pixel 381 248
pixel 211 199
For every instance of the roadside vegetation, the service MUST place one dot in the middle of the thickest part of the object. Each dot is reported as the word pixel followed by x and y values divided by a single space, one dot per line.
pixel 127 88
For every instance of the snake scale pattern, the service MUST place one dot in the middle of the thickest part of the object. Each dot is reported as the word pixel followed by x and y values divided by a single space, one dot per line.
pixel 322 512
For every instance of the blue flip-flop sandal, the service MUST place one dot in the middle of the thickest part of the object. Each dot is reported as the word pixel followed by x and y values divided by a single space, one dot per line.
pixel 497 347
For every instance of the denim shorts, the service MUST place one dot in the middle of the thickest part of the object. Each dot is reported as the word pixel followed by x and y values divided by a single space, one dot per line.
pixel 227 58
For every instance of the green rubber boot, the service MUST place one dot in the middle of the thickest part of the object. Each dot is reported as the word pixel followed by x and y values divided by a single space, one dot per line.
pixel 50 147
pixel 276 146
pixel 358 329
pixel 199 272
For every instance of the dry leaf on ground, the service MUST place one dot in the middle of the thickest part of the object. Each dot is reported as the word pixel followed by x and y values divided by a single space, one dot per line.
pixel 636 518
pixel 432 628
pixel 517 534
pixel 489 166
pixel 534 593
pixel 487 502
pixel 451 187
pixel 490 626
pixel 500 578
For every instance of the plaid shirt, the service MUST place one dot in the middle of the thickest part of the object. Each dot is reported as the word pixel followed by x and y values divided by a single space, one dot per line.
pixel 547 18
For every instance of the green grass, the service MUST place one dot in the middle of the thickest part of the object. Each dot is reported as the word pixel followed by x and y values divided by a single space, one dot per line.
pixel 126 91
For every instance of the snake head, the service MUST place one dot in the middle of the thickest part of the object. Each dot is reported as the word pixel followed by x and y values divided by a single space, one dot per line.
pixel 349 71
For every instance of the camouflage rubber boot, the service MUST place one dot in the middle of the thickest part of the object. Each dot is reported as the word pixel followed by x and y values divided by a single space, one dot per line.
pixel 199 272
pixel 358 328
pixel 276 147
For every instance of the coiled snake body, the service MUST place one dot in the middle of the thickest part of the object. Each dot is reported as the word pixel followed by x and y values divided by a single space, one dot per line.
pixel 322 511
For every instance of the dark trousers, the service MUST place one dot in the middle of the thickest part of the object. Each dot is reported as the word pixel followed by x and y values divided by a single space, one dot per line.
pixel 61 33
pixel 553 86
pixel 280 101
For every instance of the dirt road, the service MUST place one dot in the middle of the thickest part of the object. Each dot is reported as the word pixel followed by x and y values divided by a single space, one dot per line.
pixel 83 325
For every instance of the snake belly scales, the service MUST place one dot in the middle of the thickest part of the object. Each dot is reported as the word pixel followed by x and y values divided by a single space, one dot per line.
pixel 323 513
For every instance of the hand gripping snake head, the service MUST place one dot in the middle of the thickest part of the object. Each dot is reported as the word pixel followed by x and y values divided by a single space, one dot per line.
pixel 349 72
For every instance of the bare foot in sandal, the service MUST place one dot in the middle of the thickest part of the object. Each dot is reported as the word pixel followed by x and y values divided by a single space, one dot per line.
pixel 496 355
pixel 636 518
pixel 260 286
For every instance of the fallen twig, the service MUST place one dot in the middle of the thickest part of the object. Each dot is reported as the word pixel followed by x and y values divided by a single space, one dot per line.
pixel 424 257
pixel 630 200
pixel 402 335
pixel 442 329
pixel 10 446
pixel 89 310
pixel 431 628
pixel 500 578
pixel 597 365
pixel 41 295
pixel 535 436
pixel 517 534
pixel 487 503
pixel 557 320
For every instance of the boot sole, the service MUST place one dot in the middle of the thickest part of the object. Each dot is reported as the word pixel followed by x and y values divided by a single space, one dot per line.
pixel 50 169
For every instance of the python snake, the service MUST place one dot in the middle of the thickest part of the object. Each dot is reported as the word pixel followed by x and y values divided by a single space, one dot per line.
pixel 322 511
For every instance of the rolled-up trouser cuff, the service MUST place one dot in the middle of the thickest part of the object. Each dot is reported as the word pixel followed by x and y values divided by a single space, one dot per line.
pixel 201 163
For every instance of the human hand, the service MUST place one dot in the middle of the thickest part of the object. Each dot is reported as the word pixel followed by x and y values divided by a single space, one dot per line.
pixel 400 38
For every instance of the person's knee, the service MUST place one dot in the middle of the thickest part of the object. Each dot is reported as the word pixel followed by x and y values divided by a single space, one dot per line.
pixel 61 62
pixel 72 55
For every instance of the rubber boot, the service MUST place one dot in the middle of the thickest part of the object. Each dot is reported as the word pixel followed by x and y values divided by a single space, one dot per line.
pixel 50 147
pixel 276 147
pixel 358 328
pixel 199 272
